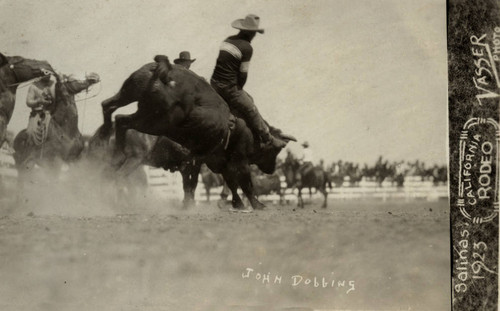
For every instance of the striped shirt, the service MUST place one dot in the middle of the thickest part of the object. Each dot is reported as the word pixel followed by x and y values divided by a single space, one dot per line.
pixel 234 57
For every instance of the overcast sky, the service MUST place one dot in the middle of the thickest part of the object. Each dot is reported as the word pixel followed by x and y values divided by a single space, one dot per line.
pixel 356 79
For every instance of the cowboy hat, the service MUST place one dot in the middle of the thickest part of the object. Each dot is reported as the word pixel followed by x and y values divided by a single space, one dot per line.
pixel 184 56
pixel 250 23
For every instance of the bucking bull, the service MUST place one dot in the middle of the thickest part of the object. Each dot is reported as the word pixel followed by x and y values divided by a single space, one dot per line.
pixel 176 103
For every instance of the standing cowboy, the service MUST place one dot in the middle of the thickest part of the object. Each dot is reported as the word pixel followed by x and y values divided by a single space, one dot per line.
pixel 41 95
pixel 184 59
pixel 230 75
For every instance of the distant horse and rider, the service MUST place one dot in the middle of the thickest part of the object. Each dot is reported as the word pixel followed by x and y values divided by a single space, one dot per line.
pixel 15 70
pixel 301 173
pixel 52 137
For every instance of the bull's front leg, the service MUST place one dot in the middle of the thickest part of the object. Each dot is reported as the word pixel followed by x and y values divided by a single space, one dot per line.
pixel 190 181
pixel 230 176
pixel 245 181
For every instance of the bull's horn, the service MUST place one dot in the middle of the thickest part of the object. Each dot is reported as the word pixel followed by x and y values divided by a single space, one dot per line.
pixel 288 137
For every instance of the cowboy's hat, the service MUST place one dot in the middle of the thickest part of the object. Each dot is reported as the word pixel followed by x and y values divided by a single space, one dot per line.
pixel 184 56
pixel 250 23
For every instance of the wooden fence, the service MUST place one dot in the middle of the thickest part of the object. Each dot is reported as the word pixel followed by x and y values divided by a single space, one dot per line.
pixel 170 185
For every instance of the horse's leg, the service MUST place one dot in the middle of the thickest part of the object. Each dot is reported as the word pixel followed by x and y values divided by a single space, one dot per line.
pixel 125 187
pixel 300 202
pixel 3 128
pixel 24 167
pixel 281 195
pixel 325 194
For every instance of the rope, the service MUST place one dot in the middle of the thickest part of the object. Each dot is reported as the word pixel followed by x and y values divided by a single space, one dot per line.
pixel 95 95
pixel 84 109
pixel 85 102
pixel 27 83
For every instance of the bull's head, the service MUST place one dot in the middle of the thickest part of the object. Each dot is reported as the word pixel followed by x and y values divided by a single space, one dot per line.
pixel 266 160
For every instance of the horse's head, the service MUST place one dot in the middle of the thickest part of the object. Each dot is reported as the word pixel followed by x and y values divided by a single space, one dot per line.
pixel 64 112
pixel 3 60
pixel 24 69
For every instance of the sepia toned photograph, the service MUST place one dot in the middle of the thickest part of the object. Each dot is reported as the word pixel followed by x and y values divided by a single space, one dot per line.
pixel 228 155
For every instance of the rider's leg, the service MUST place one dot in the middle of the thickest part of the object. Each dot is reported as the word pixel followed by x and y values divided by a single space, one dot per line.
pixel 243 103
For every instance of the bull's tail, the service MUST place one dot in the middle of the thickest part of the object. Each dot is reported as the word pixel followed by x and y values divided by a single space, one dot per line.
pixel 162 69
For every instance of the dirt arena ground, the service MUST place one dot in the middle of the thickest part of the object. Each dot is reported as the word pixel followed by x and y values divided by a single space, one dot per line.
pixel 354 255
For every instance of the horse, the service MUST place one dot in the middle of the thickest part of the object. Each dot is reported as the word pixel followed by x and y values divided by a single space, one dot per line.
pixel 354 173
pixel 265 184
pixel 315 177
pixel 212 180
pixel 175 102
pixel 62 142
pixel 15 70
pixel 143 149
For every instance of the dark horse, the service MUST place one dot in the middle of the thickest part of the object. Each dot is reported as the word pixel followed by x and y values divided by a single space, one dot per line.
pixel 315 177
pixel 212 180
pixel 15 70
pixel 143 149
pixel 177 103
pixel 63 141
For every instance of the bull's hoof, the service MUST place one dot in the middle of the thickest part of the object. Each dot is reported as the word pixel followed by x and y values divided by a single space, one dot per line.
pixel 248 209
pixel 118 159
pixel 188 204
pixel 258 205
pixel 244 210
pixel 222 204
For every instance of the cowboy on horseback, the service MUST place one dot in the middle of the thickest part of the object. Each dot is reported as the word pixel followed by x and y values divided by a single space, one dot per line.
pixel 230 75
pixel 307 159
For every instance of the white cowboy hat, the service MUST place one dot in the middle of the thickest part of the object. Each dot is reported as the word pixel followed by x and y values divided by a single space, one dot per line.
pixel 250 23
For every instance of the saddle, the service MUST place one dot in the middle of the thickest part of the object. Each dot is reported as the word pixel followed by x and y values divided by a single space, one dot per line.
pixel 306 168
pixel 38 126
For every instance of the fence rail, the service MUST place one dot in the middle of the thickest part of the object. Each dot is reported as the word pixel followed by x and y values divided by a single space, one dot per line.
pixel 170 185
